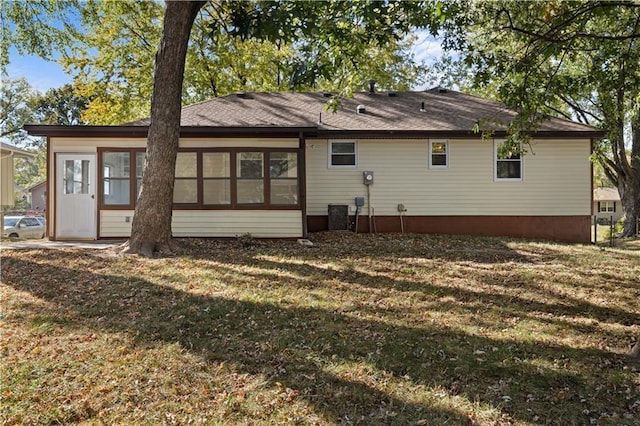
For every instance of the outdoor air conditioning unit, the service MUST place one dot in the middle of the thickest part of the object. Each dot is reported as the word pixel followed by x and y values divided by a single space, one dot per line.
pixel 338 217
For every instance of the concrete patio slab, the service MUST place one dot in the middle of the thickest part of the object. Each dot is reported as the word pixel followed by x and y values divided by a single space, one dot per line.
pixel 46 244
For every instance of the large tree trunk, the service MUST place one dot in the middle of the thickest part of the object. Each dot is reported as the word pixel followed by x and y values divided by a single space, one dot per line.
pixel 151 227
pixel 629 186
pixel 629 190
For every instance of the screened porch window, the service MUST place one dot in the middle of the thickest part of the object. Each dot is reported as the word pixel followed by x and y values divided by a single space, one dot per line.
pixel 250 177
pixel 116 182
pixel 283 173
pixel 216 178
pixel 140 156
pixel 205 178
pixel 185 188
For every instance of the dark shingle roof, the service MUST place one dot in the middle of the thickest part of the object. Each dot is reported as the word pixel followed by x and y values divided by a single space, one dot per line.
pixel 444 111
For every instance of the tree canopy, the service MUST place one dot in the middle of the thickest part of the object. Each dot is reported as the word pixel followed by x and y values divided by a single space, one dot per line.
pixel 577 60
pixel 110 47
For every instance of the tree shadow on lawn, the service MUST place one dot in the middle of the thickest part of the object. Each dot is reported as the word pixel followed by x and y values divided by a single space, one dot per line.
pixel 304 275
pixel 298 346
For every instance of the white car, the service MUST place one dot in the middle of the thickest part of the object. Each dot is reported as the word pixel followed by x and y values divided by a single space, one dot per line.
pixel 23 227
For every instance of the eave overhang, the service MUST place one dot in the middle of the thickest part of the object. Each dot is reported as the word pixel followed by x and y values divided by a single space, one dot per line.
pixel 142 131
pixel 16 152
pixel 286 132
pixel 467 134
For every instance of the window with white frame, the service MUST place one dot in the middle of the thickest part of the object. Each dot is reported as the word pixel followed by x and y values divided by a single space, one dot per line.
pixel 438 154
pixel 607 207
pixel 342 154
pixel 508 161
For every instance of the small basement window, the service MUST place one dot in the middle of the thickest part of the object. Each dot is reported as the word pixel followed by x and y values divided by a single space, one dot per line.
pixel 342 154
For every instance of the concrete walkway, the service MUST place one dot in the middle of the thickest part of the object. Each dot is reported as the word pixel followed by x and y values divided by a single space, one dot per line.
pixel 46 244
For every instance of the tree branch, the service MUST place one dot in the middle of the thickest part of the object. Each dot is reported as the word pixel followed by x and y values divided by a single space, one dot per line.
pixel 552 36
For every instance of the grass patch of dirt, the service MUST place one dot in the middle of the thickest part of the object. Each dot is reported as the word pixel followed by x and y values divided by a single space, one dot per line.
pixel 359 329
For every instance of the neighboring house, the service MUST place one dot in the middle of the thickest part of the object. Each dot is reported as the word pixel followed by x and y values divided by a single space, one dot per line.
pixel 272 164
pixel 606 203
pixel 38 197
pixel 7 154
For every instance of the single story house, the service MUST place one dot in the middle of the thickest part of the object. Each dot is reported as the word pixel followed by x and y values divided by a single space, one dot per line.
pixel 7 154
pixel 38 196
pixel 606 204
pixel 282 165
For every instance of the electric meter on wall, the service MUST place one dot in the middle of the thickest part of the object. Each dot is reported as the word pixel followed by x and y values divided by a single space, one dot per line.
pixel 367 178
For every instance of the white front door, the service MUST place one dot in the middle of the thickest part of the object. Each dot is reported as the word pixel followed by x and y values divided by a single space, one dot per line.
pixel 76 196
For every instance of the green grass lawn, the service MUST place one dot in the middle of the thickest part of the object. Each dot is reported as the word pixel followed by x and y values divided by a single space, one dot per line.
pixel 360 329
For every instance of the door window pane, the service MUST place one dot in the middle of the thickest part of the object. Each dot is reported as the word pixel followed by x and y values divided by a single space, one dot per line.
pixel 76 177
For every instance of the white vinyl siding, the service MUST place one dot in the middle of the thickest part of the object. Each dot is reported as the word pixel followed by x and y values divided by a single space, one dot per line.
pixel 213 223
pixel 558 179
pixel 6 180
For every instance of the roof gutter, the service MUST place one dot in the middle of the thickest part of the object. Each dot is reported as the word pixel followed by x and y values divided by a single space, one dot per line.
pixel 142 131
pixel 293 132
pixel 16 152
pixel 372 134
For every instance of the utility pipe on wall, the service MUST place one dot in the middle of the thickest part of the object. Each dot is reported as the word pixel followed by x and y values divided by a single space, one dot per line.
pixel 369 206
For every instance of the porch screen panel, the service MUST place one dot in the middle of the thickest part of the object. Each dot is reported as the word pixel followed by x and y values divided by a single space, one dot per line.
pixel 139 168
pixel 216 178
pixel 250 177
pixel 185 190
pixel 116 184
pixel 283 174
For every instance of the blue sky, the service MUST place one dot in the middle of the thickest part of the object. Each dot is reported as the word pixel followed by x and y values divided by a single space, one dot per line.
pixel 41 74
